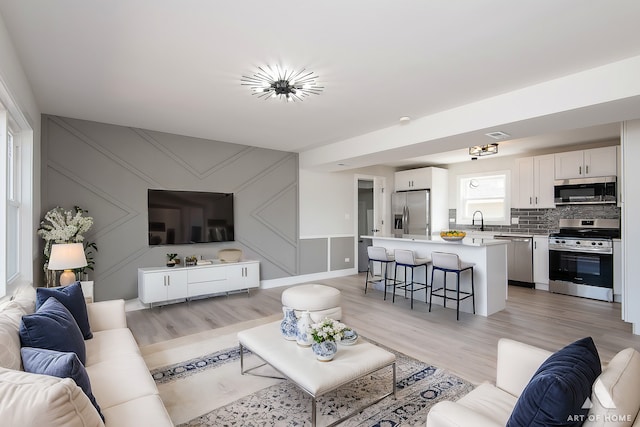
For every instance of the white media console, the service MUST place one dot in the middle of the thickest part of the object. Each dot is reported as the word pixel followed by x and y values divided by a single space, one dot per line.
pixel 166 284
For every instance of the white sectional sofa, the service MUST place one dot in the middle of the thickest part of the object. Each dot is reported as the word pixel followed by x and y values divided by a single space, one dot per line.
pixel 614 400
pixel 120 380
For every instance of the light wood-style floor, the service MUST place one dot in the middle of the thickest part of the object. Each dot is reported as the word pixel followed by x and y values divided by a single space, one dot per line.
pixel 466 347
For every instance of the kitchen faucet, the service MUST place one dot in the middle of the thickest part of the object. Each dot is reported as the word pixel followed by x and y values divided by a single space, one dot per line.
pixel 473 220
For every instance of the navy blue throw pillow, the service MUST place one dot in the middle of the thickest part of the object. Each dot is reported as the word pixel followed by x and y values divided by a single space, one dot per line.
pixel 61 365
pixel 71 297
pixel 556 394
pixel 54 328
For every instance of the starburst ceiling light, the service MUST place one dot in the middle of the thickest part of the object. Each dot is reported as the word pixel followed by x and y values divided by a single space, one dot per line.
pixel 483 150
pixel 287 85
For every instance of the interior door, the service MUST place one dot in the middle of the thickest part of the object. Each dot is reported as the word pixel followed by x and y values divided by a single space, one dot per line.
pixel 379 204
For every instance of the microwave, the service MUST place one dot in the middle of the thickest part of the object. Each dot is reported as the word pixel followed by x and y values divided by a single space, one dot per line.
pixel 578 191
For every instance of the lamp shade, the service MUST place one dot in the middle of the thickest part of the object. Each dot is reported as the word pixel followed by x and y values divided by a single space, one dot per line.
pixel 67 256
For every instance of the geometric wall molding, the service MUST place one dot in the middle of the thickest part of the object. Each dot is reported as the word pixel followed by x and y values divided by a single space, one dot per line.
pixel 107 169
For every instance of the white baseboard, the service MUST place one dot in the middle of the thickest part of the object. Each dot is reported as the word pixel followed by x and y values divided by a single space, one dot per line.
pixel 542 286
pixel 294 280
pixel 133 305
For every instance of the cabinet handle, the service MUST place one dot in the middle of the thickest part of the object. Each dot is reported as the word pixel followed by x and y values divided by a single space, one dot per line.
pixel 535 245
pixel 536 200
pixel 168 280
pixel 530 200
pixel 586 170
pixel 579 170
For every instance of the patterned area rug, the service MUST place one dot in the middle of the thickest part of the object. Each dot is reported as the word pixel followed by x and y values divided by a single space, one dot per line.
pixel 419 386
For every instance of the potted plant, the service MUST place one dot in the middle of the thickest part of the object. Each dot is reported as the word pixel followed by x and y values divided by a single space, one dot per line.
pixel 172 260
pixel 325 336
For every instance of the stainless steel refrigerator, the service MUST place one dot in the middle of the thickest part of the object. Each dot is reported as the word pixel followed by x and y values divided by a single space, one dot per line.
pixel 411 213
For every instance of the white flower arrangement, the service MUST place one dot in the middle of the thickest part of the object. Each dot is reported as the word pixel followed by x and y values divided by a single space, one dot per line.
pixel 61 226
pixel 328 330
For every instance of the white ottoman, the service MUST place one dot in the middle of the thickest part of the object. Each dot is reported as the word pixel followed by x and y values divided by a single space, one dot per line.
pixel 321 301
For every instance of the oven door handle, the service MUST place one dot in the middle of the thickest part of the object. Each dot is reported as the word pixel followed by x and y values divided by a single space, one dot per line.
pixel 584 250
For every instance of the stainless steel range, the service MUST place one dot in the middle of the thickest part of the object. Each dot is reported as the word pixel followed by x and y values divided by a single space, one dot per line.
pixel 581 258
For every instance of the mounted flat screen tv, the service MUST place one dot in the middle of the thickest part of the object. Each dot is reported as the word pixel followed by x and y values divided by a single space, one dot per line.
pixel 185 217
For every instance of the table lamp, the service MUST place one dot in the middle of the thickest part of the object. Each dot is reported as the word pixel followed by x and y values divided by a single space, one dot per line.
pixel 67 256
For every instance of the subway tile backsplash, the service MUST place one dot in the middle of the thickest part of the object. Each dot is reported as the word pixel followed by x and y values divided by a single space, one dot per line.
pixel 543 221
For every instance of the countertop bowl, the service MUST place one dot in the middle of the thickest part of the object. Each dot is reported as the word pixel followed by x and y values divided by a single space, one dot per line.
pixel 449 236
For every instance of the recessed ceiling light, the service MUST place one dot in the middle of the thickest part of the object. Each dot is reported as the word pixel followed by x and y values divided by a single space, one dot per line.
pixel 498 135
pixel 405 119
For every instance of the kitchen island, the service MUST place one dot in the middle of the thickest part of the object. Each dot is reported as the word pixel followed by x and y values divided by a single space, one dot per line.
pixel 490 269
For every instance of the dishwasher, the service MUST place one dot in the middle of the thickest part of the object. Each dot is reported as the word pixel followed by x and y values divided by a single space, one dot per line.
pixel 519 260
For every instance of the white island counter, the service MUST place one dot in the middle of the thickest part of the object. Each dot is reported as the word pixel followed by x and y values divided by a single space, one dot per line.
pixel 490 269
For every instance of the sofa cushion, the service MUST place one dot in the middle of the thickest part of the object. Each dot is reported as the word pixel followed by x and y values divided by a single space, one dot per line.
pixel 557 392
pixel 145 411
pixel 54 328
pixel 111 343
pixel 73 299
pixel 120 379
pixel 490 402
pixel 31 400
pixel 58 364
pixel 616 393
pixel 10 317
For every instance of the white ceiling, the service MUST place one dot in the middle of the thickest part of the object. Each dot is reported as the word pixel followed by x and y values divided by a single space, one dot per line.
pixel 175 66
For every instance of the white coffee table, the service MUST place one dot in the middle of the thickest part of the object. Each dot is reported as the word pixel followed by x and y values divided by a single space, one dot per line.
pixel 300 366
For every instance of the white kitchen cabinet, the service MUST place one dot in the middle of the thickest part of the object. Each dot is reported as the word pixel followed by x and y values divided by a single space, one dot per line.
pixel 163 284
pixel 413 179
pixel 157 286
pixel 535 177
pixel 541 262
pixel 593 162
pixel 437 181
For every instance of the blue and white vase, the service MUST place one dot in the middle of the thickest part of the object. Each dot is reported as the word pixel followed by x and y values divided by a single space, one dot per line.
pixel 324 350
pixel 289 325
pixel 304 337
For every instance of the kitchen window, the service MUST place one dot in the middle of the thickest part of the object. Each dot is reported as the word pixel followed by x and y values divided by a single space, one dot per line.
pixel 488 193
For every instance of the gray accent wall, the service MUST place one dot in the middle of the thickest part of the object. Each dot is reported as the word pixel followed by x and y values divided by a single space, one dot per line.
pixel 313 255
pixel 341 250
pixel 107 169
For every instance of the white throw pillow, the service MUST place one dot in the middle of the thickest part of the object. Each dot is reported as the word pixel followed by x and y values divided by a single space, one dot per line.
pixel 615 395
pixel 10 316
pixel 32 400
pixel 25 296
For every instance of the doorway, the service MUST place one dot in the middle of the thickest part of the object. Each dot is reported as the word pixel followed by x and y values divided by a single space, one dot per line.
pixel 370 214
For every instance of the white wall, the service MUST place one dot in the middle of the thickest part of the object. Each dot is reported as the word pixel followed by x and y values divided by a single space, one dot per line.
pixel 18 93
pixel 327 200
pixel 630 226
pixel 326 203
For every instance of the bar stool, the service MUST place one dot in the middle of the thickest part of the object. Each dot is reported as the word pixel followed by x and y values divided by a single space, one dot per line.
pixel 450 263
pixel 407 259
pixel 379 254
